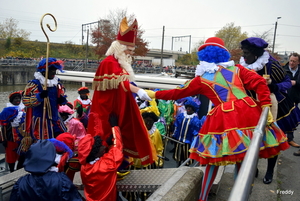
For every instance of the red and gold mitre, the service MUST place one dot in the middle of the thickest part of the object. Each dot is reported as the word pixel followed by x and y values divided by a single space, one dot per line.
pixel 127 34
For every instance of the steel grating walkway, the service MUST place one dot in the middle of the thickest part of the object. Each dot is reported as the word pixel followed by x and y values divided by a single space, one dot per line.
pixel 140 180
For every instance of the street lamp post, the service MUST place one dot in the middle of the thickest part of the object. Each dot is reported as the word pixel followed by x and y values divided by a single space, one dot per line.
pixel 275 34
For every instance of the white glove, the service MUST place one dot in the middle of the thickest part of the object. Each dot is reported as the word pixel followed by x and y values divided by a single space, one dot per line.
pixel 143 95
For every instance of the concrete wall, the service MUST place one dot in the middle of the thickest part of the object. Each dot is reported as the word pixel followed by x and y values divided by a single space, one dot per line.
pixel 11 75
pixel 184 185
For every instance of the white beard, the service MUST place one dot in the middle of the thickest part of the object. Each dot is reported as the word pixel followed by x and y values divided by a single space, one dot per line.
pixel 124 60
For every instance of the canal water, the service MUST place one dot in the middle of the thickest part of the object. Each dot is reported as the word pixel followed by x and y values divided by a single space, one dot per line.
pixel 71 92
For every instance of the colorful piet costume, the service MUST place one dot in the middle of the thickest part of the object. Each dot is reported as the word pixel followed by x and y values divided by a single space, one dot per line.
pixel 45 182
pixel 11 122
pixel 187 127
pixel 99 173
pixel 82 105
pixel 112 94
pixel 227 131
pixel 153 113
pixel 53 125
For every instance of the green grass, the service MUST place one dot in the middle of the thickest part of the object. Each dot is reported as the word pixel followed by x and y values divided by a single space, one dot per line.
pixel 36 49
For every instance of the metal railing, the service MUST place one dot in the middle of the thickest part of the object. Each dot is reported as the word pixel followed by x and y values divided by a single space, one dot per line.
pixel 243 185
pixel 141 81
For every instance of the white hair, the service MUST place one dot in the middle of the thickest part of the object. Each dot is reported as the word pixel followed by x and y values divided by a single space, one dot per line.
pixel 117 49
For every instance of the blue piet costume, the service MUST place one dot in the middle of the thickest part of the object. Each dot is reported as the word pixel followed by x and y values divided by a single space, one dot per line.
pixel 44 182
pixel 186 129
pixel 288 115
pixel 34 102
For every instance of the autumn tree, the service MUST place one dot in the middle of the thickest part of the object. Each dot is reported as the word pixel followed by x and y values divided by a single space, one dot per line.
pixel 106 31
pixel 9 29
pixel 232 36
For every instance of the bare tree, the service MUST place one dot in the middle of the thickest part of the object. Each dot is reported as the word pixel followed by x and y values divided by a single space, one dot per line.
pixel 108 28
pixel 9 29
pixel 266 35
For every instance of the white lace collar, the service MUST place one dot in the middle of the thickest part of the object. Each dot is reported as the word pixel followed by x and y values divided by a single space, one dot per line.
pixel 189 116
pixel 205 67
pixel 85 102
pixel 41 78
pixel 94 161
pixel 152 130
pixel 21 106
pixel 68 119
pixel 258 64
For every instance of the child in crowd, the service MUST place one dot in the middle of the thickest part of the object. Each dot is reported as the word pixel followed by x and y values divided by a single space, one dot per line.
pixel 11 119
pixel 82 105
pixel 45 181
pixel 187 125
pixel 99 163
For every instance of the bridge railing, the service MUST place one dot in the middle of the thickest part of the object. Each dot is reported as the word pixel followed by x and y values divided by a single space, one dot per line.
pixel 243 185
pixel 160 82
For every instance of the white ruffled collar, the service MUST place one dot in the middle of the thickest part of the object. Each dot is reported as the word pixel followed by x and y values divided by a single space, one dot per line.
pixel 50 83
pixel 94 161
pixel 258 64
pixel 205 67
pixel 189 116
pixel 85 102
pixel 68 119
pixel 21 106
pixel 152 130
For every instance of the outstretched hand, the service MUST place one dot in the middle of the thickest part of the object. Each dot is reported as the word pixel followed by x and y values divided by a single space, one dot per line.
pixel 143 95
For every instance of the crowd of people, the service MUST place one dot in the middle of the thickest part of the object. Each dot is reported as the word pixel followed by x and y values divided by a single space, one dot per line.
pixel 122 127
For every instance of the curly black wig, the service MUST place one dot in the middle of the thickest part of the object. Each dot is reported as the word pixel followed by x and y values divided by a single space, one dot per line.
pixel 95 149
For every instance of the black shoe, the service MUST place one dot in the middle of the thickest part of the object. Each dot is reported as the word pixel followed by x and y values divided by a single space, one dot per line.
pixel 256 173
pixel 297 153
pixel 268 178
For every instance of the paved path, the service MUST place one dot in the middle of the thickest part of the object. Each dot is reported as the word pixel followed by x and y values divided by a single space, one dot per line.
pixel 286 179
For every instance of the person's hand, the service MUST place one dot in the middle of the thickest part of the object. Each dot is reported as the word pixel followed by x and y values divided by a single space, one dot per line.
pixel 79 111
pixel 143 95
pixel 44 94
pixel 151 93
pixel 113 120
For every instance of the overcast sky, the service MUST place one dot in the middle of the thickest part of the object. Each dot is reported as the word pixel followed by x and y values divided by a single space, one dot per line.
pixel 199 18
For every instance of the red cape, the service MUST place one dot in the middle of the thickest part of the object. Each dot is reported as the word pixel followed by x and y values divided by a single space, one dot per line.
pixel 112 94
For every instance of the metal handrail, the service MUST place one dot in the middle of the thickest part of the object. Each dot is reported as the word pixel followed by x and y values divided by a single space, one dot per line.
pixel 243 185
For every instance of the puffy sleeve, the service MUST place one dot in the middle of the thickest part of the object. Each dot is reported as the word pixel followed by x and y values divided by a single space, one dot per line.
pixel 191 88
pixel 255 82
pixel 279 76
pixel 114 157
pixel 31 97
